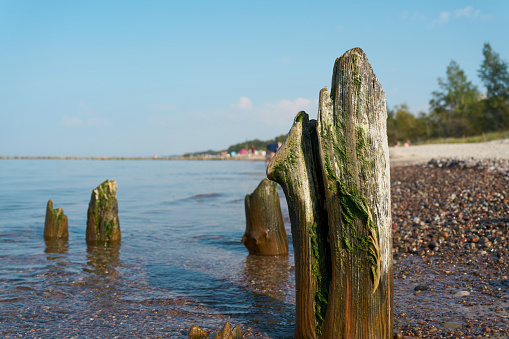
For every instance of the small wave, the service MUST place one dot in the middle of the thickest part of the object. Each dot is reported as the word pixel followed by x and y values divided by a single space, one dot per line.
pixel 205 196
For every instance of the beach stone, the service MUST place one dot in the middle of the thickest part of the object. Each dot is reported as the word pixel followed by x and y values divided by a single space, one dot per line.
pixel 102 220
pixel 461 294
pixel 421 288
pixel 452 325
pixel 432 245
pixel 56 224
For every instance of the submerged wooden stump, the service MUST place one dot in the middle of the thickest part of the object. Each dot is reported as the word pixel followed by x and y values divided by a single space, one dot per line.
pixel 265 230
pixel 226 333
pixel 335 175
pixel 102 219
pixel 56 224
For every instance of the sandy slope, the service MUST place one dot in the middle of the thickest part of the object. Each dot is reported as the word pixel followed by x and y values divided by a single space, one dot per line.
pixel 421 153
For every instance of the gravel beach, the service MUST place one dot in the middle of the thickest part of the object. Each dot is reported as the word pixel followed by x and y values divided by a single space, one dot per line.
pixel 451 240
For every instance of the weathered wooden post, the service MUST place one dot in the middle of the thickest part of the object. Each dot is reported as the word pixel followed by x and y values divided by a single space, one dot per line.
pixel 102 218
pixel 55 224
pixel 335 175
pixel 265 230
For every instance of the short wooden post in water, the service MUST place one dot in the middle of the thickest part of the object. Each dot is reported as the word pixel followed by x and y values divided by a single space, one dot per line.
pixel 265 230
pixel 102 219
pixel 56 224
pixel 335 175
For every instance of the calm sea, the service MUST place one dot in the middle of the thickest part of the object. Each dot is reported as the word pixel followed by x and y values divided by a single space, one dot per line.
pixel 180 261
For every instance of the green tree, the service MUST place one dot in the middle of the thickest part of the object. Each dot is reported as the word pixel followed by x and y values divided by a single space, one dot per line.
pixel 494 74
pixel 451 104
pixel 493 114
pixel 403 125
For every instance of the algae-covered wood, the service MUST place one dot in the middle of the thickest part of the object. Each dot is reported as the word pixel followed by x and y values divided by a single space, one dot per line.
pixel 355 166
pixel 294 168
pixel 102 218
pixel 335 175
pixel 265 230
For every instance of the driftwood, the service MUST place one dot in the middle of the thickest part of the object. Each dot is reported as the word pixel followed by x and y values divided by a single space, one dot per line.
pixel 56 224
pixel 265 230
pixel 102 218
pixel 335 175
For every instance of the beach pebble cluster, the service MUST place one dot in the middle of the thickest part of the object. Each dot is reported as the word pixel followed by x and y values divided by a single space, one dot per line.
pixel 451 247
pixel 451 205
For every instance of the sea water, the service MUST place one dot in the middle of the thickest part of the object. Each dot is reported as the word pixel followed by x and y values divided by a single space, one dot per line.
pixel 180 262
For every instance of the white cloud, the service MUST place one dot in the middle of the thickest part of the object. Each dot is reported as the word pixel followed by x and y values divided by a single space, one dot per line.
pixel 416 15
pixel 468 12
pixel 282 112
pixel 71 121
pixel 285 61
pixel 85 117
pixel 443 17
pixel 93 122
pixel 243 103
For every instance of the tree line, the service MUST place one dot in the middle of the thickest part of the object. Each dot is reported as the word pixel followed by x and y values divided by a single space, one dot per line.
pixel 458 109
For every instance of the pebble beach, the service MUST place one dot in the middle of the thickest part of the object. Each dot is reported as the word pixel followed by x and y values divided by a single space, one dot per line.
pixel 451 240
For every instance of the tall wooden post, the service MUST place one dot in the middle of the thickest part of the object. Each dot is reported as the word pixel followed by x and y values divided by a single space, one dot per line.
pixel 343 248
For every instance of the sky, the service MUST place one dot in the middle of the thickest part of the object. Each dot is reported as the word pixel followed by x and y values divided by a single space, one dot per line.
pixel 136 78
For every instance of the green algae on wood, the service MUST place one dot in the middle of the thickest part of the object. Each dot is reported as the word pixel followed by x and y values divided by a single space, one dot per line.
pixel 265 230
pixel 294 169
pixel 102 218
pixel 354 153
pixel 56 223
pixel 335 175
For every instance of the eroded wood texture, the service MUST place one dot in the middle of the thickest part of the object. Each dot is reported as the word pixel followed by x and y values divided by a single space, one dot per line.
pixel 294 168
pixel 335 175
pixel 355 165
pixel 265 230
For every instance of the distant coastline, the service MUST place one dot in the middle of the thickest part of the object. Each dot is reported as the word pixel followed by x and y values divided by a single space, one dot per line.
pixel 197 157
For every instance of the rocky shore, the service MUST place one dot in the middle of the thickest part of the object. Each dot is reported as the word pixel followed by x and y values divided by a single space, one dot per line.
pixel 451 247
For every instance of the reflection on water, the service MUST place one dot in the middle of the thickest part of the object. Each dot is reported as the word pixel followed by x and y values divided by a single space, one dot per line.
pixel 102 259
pixel 56 246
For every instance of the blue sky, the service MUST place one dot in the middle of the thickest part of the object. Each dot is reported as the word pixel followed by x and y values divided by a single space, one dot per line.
pixel 123 78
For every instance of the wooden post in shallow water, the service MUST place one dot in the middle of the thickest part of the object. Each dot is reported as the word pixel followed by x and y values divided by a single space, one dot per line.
pixel 56 224
pixel 335 175
pixel 102 218
pixel 265 230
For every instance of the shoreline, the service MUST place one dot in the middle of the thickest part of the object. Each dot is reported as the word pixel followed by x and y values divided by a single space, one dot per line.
pixel 17 157
pixel 399 156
